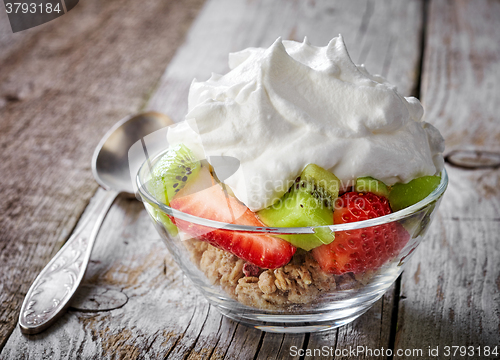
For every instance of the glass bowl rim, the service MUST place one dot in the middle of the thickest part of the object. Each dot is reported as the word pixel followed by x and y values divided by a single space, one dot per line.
pixel 398 215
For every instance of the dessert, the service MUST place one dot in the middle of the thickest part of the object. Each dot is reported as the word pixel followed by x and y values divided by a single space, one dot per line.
pixel 318 142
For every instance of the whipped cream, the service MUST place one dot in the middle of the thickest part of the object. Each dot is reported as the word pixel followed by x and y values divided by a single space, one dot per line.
pixel 293 104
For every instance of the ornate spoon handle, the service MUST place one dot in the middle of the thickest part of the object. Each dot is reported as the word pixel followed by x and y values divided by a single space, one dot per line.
pixel 53 288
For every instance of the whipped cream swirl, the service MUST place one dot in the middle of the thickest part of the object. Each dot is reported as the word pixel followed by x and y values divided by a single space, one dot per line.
pixel 293 104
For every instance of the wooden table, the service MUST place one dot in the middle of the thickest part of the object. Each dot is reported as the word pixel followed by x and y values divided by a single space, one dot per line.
pixel 63 84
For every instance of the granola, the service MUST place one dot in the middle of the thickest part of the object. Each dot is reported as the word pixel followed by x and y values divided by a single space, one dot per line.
pixel 299 282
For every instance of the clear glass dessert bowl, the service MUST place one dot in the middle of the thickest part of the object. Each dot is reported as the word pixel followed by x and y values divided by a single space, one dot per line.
pixel 299 296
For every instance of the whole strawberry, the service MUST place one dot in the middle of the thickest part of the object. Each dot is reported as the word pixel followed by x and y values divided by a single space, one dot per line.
pixel 365 249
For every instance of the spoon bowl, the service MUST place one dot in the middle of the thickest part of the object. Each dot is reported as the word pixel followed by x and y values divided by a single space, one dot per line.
pixel 110 163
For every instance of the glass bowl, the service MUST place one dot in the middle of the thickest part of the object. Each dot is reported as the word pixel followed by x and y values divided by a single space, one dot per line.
pixel 298 297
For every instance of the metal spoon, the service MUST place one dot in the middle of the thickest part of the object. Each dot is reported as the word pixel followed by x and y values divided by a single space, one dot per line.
pixel 54 287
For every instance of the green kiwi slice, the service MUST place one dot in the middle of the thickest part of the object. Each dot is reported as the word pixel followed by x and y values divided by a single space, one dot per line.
pixel 404 195
pixel 309 202
pixel 169 175
pixel 322 183
pixel 369 184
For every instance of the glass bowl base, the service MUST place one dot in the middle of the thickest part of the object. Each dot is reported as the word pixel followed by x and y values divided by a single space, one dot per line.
pixel 298 323
pixel 299 328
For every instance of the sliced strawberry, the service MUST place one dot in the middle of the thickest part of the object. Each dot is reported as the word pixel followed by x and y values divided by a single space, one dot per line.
pixel 213 203
pixel 363 249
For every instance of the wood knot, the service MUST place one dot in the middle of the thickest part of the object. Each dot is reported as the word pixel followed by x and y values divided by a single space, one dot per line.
pixel 90 298
pixel 473 159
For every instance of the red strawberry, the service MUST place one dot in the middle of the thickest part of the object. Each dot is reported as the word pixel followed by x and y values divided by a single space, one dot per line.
pixel 363 249
pixel 214 204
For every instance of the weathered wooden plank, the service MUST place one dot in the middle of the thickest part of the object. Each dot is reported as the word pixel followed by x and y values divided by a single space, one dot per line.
pixel 460 87
pixel 214 338
pixel 451 289
pixel 451 292
pixel 281 346
pixel 62 85
pixel 393 51
pixel 164 316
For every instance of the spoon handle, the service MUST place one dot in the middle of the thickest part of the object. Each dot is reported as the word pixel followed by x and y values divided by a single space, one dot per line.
pixel 53 288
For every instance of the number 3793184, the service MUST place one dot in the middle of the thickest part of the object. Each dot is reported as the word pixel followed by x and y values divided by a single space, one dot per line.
pixel 33 8
pixel 485 351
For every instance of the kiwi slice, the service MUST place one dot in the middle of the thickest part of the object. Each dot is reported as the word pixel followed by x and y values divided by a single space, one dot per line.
pixel 369 184
pixel 404 195
pixel 322 183
pixel 169 175
pixel 308 202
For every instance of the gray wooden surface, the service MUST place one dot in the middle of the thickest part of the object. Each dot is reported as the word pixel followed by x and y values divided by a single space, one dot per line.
pixel 64 83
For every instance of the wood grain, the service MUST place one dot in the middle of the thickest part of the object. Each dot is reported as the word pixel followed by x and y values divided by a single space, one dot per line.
pixel 451 289
pixel 62 85
pixel 393 51
pixel 460 87
pixel 164 316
